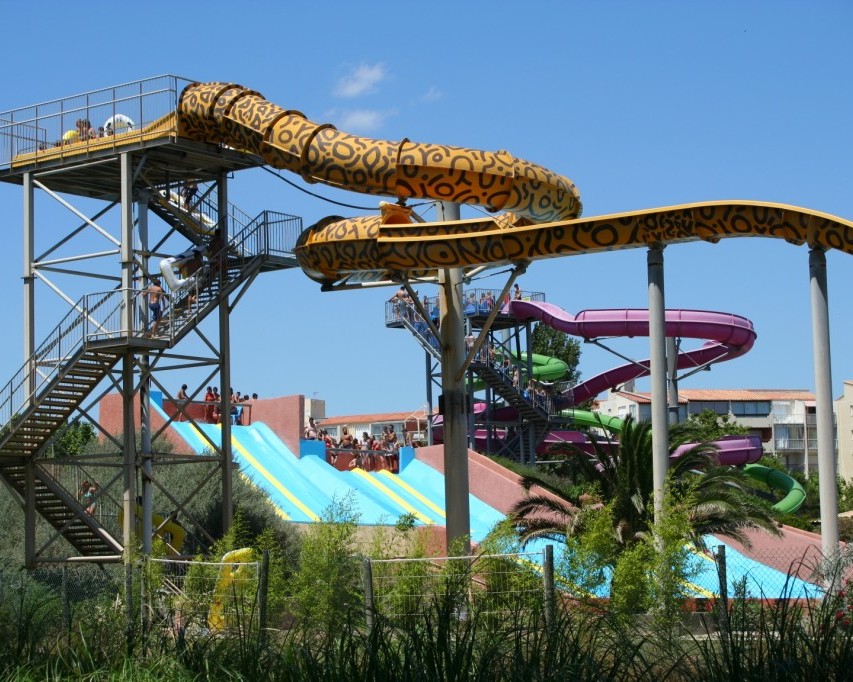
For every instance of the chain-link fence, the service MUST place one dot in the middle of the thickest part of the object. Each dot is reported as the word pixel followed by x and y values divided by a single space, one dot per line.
pixel 170 599
pixel 402 591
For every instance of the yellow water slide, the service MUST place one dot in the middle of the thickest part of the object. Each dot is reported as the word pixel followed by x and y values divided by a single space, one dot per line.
pixel 284 138
pixel 541 208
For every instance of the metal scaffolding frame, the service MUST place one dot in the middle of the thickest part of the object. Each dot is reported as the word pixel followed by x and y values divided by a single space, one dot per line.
pixel 113 245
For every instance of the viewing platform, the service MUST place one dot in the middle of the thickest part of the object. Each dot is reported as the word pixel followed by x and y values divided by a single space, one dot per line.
pixel 86 135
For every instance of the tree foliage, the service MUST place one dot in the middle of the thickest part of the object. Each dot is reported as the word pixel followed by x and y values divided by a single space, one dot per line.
pixel 72 440
pixel 709 426
pixel 548 341
pixel 622 474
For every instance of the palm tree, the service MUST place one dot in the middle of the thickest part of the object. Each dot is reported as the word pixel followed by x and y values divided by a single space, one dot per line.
pixel 622 476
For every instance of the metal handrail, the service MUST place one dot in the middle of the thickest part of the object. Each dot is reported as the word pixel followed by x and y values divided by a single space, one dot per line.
pixel 99 316
pixel 42 126
pixel 93 317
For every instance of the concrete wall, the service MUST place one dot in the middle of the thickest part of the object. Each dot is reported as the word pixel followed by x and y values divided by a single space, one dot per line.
pixel 284 416
pixel 112 421
pixel 495 485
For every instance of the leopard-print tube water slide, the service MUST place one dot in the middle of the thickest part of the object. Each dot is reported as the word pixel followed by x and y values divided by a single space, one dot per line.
pixel 542 208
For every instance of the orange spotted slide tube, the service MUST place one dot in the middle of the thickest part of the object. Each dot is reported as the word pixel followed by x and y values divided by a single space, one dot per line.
pixel 540 209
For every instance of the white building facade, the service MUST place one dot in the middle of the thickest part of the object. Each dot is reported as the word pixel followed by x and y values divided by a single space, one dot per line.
pixel 844 431
pixel 785 420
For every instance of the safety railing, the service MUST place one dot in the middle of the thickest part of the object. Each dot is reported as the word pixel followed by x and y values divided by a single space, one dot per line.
pixel 270 234
pixel 277 239
pixel 102 316
pixel 94 317
pixel 207 412
pixel 95 119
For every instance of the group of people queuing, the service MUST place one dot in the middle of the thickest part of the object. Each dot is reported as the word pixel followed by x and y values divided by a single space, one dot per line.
pixel 213 406
pixel 83 130
pixel 535 391
pixel 387 443
pixel 403 308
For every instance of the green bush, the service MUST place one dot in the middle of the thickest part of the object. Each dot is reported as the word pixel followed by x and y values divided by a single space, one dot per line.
pixel 326 586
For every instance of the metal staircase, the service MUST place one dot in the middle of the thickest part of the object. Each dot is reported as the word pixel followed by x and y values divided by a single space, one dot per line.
pixel 535 421
pixel 86 346
pixel 421 332
pixel 535 416
pixel 62 511
pixel 504 388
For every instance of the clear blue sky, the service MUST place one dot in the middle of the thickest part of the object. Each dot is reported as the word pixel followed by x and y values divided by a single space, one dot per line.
pixel 642 104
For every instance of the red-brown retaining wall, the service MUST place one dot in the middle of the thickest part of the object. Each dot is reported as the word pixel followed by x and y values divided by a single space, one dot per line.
pixel 283 415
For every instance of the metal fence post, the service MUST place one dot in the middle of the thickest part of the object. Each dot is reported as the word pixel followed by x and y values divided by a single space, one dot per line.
pixel 128 610
pixel 145 598
pixel 723 615
pixel 66 606
pixel 367 578
pixel 548 584
pixel 263 586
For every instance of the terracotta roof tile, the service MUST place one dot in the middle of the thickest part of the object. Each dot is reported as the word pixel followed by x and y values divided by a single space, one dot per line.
pixel 746 394
pixel 736 394
pixel 381 417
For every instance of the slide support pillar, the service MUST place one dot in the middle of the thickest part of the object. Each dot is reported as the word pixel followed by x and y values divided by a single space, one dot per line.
pixel 657 355
pixel 29 282
pixel 452 338
pixel 826 461
pixel 225 367
pixel 672 379
pixel 145 396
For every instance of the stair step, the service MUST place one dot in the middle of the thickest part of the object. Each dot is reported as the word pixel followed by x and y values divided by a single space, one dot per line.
pixel 70 379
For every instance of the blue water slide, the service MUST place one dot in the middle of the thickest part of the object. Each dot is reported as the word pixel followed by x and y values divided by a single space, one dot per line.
pixel 430 483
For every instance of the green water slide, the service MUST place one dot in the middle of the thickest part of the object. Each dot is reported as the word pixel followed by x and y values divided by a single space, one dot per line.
pixel 593 419
pixel 779 480
pixel 544 368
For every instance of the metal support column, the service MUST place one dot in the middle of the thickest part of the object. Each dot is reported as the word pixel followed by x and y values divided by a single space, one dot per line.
pixel 657 355
pixel 128 502
pixel 430 404
pixel 29 281
pixel 452 330
pixel 127 316
pixel 826 463
pixel 128 388
pixel 531 428
pixel 672 378
pixel 225 364
pixel 145 399
pixel 29 514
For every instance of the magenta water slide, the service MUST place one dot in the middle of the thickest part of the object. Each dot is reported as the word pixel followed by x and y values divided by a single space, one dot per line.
pixel 726 337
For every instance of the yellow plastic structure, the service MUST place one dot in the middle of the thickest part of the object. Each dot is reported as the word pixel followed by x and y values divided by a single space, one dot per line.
pixel 235 570
pixel 171 533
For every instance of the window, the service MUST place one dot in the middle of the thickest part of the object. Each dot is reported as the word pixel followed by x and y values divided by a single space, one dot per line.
pixel 716 406
pixel 751 408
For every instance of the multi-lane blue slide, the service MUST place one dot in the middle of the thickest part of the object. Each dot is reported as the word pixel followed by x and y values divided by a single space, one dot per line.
pixel 307 489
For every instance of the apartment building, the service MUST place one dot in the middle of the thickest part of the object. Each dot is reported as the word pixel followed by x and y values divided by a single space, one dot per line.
pixel 783 419
pixel 844 430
